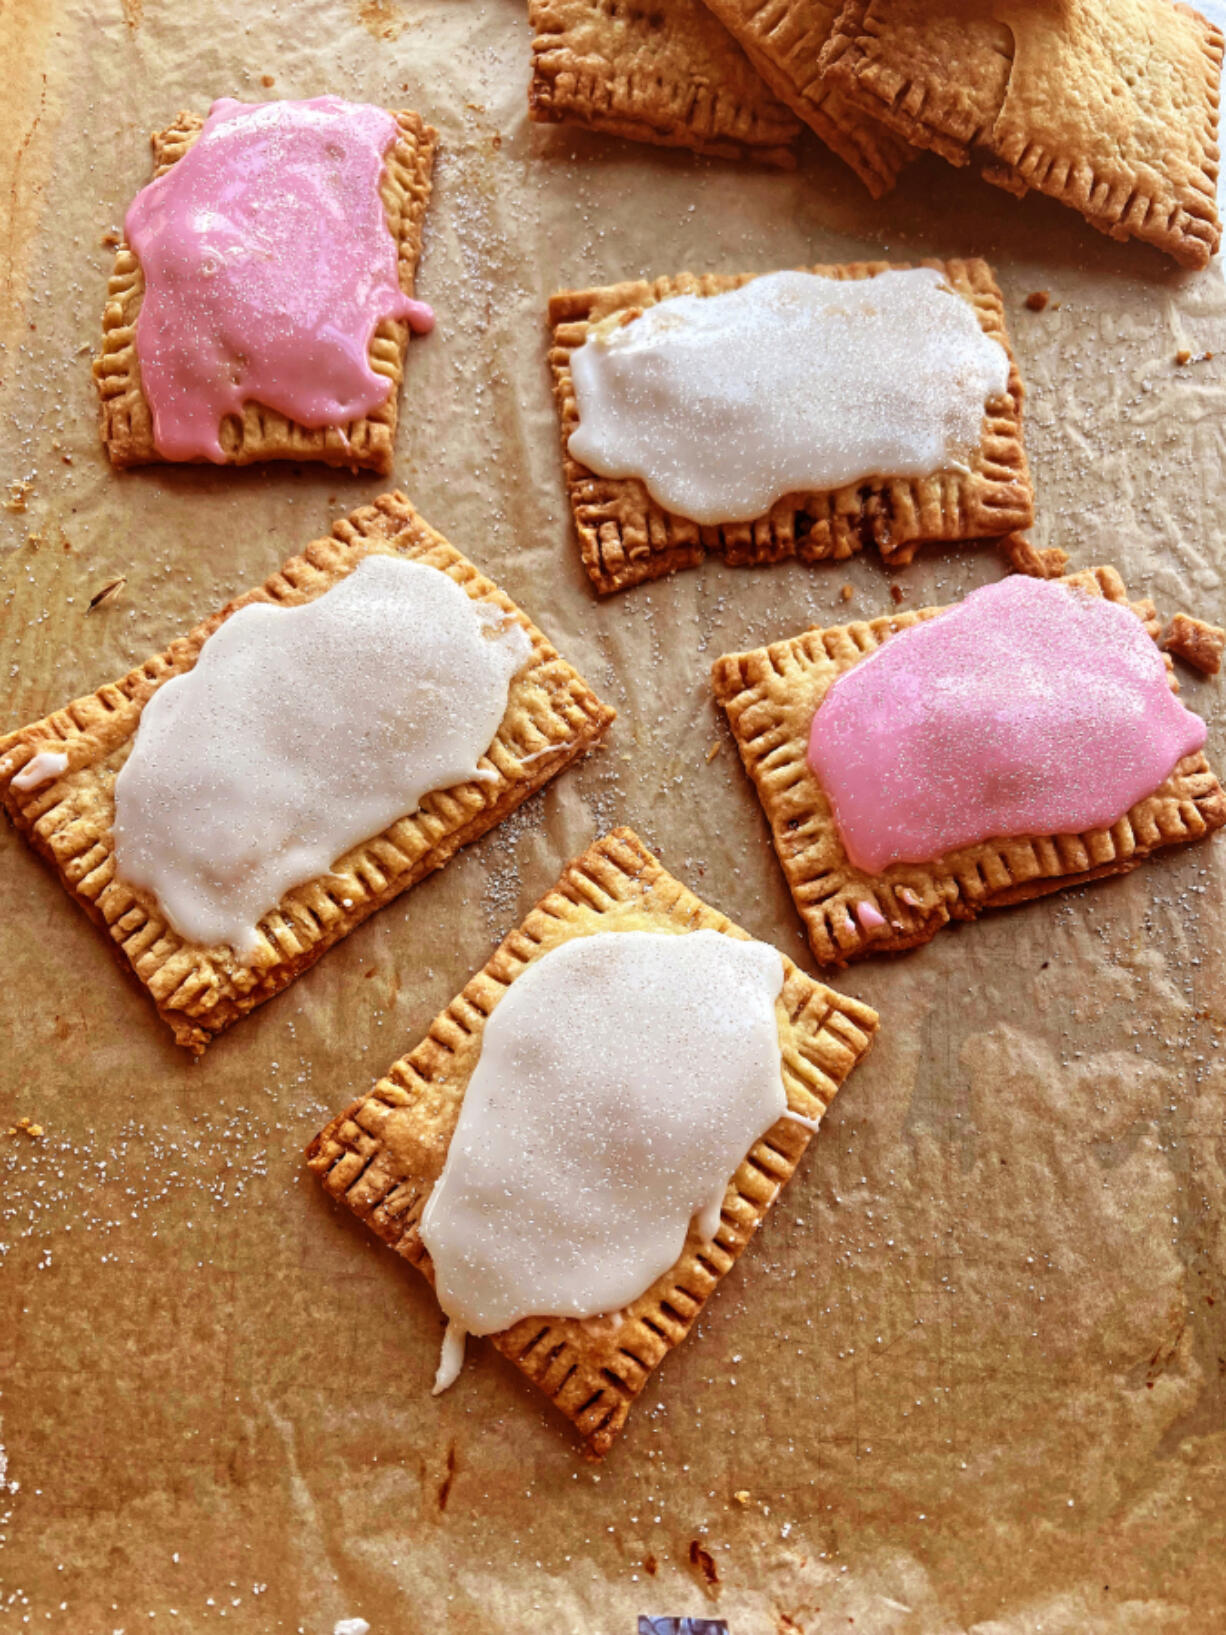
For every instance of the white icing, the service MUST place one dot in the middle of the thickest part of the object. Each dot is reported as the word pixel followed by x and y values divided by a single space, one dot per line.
pixel 351 1626
pixel 707 1218
pixel 452 1359
pixel 799 1118
pixel 793 383
pixel 303 731
pixel 549 749
pixel 40 769
pixel 622 1079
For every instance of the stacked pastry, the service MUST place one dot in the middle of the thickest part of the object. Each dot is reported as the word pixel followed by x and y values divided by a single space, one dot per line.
pixel 1110 106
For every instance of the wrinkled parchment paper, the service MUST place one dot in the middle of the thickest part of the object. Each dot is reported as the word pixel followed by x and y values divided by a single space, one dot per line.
pixel 970 1377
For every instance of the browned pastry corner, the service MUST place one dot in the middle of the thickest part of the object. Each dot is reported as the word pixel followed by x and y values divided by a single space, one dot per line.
pixel 1040 562
pixel 770 697
pixel 552 718
pixel 666 73
pixel 625 537
pixel 382 1156
pixel 1110 106
pixel 1196 642
pixel 259 433
pixel 784 41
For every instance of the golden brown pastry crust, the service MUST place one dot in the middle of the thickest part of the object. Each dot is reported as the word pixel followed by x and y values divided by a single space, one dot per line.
pixel 125 420
pixel 784 40
pixel 200 991
pixel 664 72
pixel 625 537
pixel 770 697
pixel 382 1156
pixel 1039 562
pixel 1110 106
pixel 1196 642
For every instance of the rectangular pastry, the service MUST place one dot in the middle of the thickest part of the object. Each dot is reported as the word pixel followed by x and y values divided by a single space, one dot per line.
pixel 384 1155
pixel 771 697
pixel 784 42
pixel 57 782
pixel 1110 106
pixel 626 537
pixel 258 432
pixel 670 75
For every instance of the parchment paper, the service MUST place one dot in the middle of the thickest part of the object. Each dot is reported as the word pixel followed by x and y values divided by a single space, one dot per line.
pixel 971 1376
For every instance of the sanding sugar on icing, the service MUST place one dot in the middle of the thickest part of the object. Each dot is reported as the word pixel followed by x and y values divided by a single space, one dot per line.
pixel 793 383
pixel 623 1077
pixel 1029 708
pixel 301 732
pixel 268 263
pixel 40 769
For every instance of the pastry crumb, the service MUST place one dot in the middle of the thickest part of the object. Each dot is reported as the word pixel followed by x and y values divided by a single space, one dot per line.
pixel 712 752
pixel 847 592
pixel 107 592
pixel 1040 562
pixel 1037 300
pixel 18 497
pixel 1183 356
pixel 267 80
pixel 741 1495
pixel 896 594
pixel 1196 642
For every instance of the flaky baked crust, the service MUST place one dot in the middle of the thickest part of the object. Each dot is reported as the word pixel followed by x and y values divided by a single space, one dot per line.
pixel 259 433
pixel 625 537
pixel 382 1156
pixel 1110 106
pixel 770 697
pixel 784 40
pixel 1196 642
pixel 552 718
pixel 666 73
pixel 1036 561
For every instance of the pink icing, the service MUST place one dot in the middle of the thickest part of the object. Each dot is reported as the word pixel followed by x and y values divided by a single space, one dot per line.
pixel 268 262
pixel 419 317
pixel 869 916
pixel 1028 709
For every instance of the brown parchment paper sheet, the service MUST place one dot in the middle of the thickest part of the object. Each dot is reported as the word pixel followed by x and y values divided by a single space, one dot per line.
pixel 971 1375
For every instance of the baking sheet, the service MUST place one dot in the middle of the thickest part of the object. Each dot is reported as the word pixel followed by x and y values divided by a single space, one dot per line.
pixel 970 1376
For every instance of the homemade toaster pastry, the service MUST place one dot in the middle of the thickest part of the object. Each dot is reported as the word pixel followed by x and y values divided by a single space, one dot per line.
pixel 384 1154
pixel 552 718
pixel 770 697
pixel 261 433
pixel 626 537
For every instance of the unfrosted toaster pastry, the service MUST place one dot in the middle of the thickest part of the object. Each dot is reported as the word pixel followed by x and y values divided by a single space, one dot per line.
pixel 784 41
pixel 669 74
pixel 1110 106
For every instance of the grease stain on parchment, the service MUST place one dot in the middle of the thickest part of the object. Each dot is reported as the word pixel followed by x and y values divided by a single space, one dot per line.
pixel 381 18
